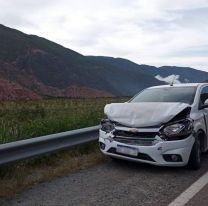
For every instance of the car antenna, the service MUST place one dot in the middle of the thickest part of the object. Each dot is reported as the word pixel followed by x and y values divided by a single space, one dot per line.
pixel 172 82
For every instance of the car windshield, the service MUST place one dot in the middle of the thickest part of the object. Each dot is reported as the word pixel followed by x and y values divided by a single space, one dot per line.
pixel 166 94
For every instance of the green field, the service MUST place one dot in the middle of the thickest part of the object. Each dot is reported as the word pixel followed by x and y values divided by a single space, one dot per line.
pixel 22 120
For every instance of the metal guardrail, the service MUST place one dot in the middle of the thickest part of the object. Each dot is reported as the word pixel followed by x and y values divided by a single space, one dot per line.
pixel 23 149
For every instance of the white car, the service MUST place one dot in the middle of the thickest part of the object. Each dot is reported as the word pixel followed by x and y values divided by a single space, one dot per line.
pixel 162 125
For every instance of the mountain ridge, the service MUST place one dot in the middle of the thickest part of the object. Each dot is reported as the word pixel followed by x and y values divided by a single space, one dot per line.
pixel 44 68
pixel 191 74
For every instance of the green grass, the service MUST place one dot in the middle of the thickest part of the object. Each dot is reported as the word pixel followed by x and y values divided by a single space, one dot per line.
pixel 22 120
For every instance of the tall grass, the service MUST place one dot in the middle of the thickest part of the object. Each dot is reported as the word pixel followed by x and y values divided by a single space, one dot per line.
pixel 21 120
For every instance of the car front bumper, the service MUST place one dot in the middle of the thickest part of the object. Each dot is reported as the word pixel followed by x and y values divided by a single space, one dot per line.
pixel 154 154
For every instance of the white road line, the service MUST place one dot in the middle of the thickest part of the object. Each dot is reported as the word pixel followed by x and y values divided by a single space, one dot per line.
pixel 184 197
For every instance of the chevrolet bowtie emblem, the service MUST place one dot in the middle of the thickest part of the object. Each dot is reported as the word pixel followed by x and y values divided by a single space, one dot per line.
pixel 133 130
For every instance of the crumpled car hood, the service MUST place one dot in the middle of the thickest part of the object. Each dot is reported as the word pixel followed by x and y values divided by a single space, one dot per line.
pixel 143 114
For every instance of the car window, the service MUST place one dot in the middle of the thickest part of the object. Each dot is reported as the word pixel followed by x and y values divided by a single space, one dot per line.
pixel 166 94
pixel 203 95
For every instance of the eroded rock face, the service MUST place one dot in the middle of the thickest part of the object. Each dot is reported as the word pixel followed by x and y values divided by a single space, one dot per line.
pixel 21 84
pixel 13 91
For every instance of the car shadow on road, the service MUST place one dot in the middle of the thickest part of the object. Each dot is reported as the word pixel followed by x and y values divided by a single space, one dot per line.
pixel 126 165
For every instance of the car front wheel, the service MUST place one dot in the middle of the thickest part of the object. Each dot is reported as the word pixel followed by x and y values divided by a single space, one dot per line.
pixel 195 156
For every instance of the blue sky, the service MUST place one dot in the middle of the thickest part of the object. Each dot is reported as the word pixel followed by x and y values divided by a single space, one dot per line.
pixel 155 32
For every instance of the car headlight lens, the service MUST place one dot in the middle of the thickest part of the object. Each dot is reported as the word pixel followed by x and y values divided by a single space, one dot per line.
pixel 180 128
pixel 107 125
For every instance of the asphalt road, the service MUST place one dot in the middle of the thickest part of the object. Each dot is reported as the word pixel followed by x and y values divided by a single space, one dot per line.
pixel 112 183
pixel 200 198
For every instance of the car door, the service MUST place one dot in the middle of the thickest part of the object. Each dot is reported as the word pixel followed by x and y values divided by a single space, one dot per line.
pixel 203 98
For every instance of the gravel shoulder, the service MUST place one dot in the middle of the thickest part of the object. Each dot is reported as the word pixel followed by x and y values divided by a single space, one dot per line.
pixel 112 183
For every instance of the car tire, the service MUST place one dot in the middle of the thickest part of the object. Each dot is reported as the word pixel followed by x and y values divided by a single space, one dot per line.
pixel 195 156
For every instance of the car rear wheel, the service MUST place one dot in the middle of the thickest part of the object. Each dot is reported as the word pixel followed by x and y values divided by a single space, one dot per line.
pixel 195 156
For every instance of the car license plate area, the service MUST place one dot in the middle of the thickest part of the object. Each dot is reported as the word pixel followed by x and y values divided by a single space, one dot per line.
pixel 127 150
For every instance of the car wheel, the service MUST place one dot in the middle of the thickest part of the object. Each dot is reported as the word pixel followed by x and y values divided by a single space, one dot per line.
pixel 195 156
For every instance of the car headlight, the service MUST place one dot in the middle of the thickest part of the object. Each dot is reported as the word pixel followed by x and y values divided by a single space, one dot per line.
pixel 178 129
pixel 107 125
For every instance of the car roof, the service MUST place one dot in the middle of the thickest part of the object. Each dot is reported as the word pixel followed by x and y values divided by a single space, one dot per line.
pixel 181 85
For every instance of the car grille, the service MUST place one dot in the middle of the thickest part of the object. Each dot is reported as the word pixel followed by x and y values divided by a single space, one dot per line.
pixel 147 142
pixel 122 133
pixel 139 138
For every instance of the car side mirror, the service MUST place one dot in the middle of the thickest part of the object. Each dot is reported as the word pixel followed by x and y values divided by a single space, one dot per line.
pixel 205 105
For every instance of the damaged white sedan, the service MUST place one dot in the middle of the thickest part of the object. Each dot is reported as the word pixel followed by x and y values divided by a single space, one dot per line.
pixel 162 125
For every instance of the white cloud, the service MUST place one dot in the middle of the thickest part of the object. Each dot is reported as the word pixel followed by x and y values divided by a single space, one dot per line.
pixel 157 32
pixel 169 79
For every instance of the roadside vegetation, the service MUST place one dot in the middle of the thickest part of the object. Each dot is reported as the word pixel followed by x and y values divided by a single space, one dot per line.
pixel 21 120
pixel 19 176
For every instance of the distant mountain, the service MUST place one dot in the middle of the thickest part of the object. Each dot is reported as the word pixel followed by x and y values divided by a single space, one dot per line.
pixel 183 74
pixel 32 67
pixel 44 68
